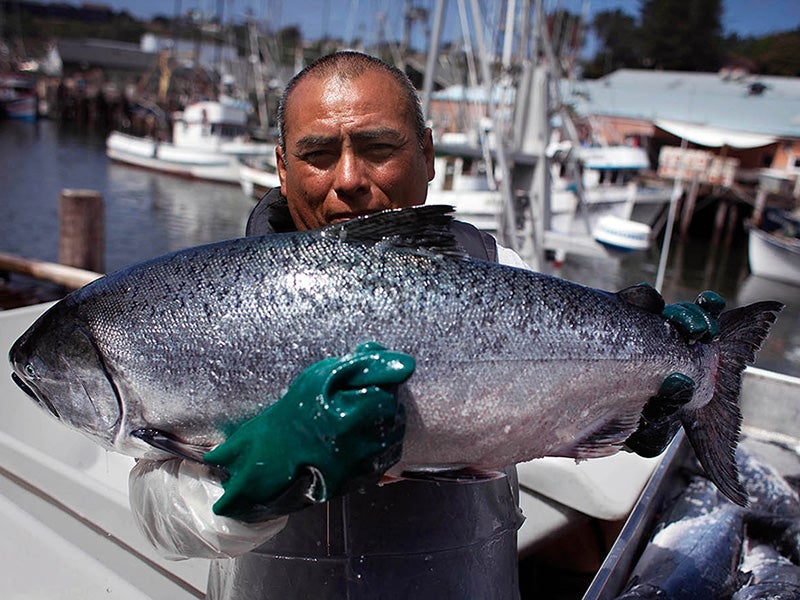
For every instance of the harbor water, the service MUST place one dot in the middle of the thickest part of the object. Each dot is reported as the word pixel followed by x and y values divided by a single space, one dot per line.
pixel 148 214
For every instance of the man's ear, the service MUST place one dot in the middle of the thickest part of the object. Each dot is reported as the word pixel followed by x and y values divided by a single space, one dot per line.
pixel 427 151
pixel 281 164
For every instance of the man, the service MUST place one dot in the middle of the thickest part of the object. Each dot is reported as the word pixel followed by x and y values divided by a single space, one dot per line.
pixel 352 142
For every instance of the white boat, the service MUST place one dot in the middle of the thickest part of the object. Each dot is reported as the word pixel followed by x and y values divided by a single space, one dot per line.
pixel 18 99
pixel 258 176
pixel 774 247
pixel 208 142
pixel 67 527
pixel 608 189
pixel 64 500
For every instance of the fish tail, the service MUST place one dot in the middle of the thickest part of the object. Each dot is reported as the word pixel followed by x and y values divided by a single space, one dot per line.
pixel 714 429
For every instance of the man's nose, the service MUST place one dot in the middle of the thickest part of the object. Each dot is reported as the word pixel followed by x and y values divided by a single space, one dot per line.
pixel 351 174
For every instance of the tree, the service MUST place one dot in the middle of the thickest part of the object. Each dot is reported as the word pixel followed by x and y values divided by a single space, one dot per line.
pixel 773 54
pixel 618 40
pixel 680 35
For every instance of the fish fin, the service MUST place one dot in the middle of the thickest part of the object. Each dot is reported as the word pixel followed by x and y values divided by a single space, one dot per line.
pixel 605 440
pixel 451 474
pixel 714 429
pixel 416 228
pixel 164 441
pixel 644 296
pixel 387 479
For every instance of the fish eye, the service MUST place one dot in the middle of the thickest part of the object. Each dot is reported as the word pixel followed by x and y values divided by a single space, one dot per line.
pixel 30 371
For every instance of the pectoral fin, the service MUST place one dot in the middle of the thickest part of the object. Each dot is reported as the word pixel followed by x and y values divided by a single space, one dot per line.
pixel 606 439
pixel 451 474
pixel 168 443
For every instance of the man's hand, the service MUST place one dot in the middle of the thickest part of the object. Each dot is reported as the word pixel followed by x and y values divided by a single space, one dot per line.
pixel 339 424
pixel 659 423
pixel 698 321
pixel 695 322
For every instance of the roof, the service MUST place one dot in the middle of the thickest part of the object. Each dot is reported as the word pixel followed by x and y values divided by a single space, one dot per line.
pixel 105 53
pixel 764 105
pixel 714 137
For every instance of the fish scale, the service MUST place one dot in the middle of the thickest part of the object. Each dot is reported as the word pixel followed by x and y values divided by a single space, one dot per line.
pixel 511 364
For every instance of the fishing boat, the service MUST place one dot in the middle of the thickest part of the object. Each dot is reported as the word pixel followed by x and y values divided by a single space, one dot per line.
pixel 774 246
pixel 258 176
pixel 18 98
pixel 608 204
pixel 209 141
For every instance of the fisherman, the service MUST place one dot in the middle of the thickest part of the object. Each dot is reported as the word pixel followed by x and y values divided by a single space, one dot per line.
pixel 352 142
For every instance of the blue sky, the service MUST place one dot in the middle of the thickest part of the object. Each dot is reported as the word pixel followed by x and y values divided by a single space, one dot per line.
pixel 315 17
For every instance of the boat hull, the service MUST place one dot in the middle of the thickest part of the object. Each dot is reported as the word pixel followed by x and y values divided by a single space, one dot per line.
pixel 256 181
pixel 187 162
pixel 774 257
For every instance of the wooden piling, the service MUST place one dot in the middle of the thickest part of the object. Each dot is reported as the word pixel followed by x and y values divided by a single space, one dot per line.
pixel 688 207
pixel 82 229
pixel 719 222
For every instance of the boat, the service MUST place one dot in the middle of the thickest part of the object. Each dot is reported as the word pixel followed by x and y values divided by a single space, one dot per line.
pixel 65 503
pixel 608 204
pixel 209 140
pixel 258 176
pixel 18 98
pixel 774 246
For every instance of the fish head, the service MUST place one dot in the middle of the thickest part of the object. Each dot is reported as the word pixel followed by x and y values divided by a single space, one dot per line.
pixel 58 364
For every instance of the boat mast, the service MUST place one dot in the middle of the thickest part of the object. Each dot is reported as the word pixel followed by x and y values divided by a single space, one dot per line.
pixel 432 58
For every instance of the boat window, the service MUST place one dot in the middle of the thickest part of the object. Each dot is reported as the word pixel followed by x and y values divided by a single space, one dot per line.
pixel 227 129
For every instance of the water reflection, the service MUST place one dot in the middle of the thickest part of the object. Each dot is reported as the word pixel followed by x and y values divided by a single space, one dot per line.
pixel 781 351
pixel 151 213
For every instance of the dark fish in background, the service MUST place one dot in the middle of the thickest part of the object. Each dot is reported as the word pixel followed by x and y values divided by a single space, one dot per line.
pixel 773 514
pixel 707 547
pixel 694 553
pixel 768 492
pixel 768 575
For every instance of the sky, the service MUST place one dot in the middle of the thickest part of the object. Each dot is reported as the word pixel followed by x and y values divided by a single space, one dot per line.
pixel 347 19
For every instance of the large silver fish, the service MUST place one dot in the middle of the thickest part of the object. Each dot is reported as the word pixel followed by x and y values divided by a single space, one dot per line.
pixel 511 364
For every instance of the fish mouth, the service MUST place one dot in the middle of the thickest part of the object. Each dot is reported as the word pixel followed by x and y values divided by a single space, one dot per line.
pixel 38 397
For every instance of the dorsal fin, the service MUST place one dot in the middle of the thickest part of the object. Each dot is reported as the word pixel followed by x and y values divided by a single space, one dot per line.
pixel 644 296
pixel 416 228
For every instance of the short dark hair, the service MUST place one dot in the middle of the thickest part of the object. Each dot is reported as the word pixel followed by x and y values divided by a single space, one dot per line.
pixel 350 65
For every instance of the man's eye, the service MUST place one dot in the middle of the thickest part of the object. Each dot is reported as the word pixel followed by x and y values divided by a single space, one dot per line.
pixel 318 156
pixel 380 149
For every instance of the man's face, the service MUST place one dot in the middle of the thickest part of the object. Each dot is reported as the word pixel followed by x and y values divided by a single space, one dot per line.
pixel 351 149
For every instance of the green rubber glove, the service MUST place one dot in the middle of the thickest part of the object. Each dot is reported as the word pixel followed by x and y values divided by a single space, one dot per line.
pixel 696 321
pixel 338 425
pixel 658 423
